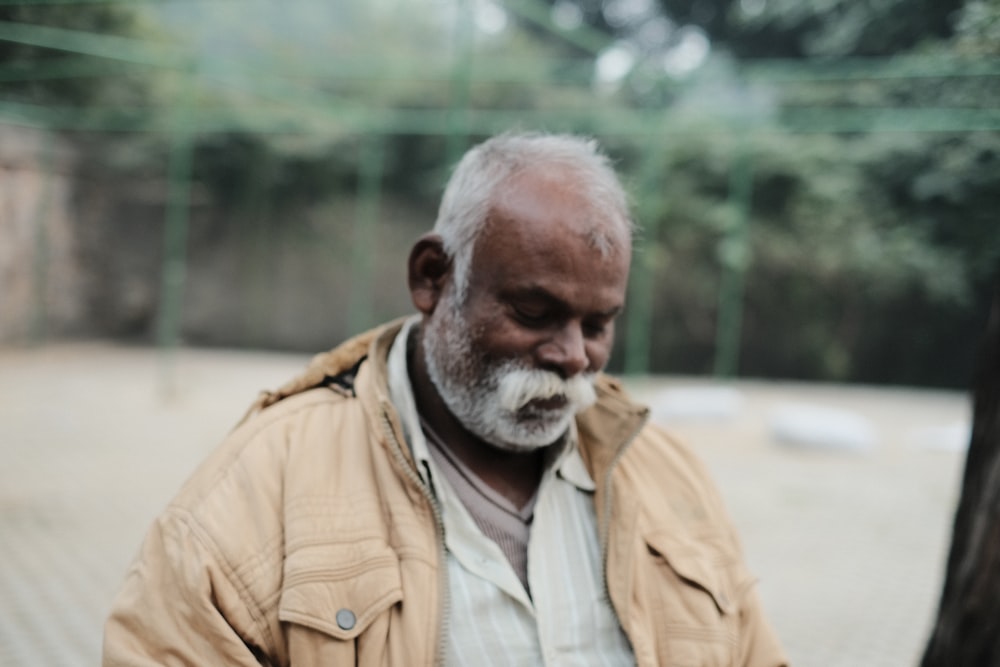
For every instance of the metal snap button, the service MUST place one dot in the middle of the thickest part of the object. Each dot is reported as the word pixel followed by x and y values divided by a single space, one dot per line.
pixel 346 619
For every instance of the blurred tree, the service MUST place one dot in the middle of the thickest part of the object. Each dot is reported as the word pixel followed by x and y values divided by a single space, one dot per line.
pixel 831 28
pixel 844 283
pixel 786 28
pixel 967 630
pixel 965 633
pixel 871 252
pixel 53 76
pixel 979 28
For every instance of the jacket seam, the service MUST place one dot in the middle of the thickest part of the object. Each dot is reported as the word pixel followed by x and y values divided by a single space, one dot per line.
pixel 236 581
pixel 255 564
pixel 244 440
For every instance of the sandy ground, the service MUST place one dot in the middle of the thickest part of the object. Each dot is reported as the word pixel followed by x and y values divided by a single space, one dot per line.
pixel 849 545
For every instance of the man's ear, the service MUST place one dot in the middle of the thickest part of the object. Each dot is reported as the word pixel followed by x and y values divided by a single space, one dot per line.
pixel 429 270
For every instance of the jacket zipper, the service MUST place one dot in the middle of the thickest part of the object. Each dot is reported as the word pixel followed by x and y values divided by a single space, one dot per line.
pixel 605 527
pixel 414 477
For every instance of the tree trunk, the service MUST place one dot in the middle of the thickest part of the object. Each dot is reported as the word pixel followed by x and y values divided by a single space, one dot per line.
pixel 967 632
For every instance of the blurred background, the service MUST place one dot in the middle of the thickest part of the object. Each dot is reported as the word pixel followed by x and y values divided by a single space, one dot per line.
pixel 817 183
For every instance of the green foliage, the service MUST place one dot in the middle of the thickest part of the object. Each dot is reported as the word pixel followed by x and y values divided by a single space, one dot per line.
pixel 828 28
pixel 842 232
pixel 43 75
pixel 979 28
pixel 868 254
pixel 872 255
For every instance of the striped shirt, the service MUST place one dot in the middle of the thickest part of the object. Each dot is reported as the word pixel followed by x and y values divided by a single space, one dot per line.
pixel 568 619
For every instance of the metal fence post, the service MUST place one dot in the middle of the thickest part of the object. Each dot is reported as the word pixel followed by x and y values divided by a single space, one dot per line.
pixel 39 329
pixel 734 257
pixel 360 311
pixel 650 208
pixel 175 232
pixel 461 83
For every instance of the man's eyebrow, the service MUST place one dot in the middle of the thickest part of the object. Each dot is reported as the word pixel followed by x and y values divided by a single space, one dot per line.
pixel 534 293
pixel 613 312
pixel 537 292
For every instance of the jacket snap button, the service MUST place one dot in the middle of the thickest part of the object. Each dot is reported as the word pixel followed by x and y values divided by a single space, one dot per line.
pixel 346 619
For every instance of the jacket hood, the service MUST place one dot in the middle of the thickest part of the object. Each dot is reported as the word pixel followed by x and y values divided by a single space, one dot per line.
pixel 326 366
pixel 612 420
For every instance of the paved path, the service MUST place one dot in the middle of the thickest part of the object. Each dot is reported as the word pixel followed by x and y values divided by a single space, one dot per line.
pixel 849 546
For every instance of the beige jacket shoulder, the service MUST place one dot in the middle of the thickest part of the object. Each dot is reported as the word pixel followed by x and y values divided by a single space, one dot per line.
pixel 307 538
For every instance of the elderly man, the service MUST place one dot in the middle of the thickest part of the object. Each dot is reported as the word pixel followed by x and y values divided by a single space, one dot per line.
pixel 463 487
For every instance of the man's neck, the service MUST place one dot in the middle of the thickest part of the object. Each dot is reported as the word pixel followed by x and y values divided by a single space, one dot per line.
pixel 515 475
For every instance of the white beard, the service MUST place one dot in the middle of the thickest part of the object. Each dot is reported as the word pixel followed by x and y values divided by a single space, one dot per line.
pixel 493 401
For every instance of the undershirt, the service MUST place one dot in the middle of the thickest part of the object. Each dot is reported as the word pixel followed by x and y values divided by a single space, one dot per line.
pixel 498 518
pixel 491 620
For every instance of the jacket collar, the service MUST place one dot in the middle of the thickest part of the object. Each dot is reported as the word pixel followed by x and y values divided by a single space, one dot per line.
pixel 604 428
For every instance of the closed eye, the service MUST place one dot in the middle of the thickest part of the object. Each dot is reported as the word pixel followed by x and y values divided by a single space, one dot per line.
pixel 533 317
pixel 595 329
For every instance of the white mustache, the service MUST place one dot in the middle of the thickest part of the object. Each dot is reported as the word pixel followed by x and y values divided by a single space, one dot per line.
pixel 521 386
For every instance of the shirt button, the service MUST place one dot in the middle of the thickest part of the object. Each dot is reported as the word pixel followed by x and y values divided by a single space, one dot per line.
pixel 346 619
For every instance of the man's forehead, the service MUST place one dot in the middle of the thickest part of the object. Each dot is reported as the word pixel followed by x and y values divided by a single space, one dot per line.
pixel 519 199
pixel 548 242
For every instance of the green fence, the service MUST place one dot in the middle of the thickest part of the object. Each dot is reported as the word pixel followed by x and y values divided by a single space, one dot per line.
pixel 302 101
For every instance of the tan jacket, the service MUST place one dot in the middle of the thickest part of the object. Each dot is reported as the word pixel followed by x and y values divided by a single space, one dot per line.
pixel 307 538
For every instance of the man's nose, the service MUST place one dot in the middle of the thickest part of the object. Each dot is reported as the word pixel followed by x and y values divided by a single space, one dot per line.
pixel 565 352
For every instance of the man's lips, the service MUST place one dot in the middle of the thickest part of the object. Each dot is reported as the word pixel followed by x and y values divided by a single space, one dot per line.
pixel 557 402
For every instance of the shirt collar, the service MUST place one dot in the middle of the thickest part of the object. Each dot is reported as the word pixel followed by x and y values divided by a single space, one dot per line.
pixel 401 393
pixel 568 464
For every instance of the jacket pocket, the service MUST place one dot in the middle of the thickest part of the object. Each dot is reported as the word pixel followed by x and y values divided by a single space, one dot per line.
pixel 692 597
pixel 339 589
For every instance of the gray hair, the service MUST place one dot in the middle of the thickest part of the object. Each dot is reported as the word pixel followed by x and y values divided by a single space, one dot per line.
pixel 474 187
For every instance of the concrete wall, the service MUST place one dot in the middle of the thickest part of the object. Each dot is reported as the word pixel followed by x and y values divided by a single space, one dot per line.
pixel 81 254
pixel 40 280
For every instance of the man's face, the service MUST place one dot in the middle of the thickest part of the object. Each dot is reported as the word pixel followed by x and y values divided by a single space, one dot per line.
pixel 516 361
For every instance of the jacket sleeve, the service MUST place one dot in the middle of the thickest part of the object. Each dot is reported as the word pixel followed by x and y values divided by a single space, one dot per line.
pixel 759 646
pixel 179 605
pixel 757 643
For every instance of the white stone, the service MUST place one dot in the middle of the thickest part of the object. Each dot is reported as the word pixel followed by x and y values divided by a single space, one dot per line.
pixel 951 437
pixel 821 427
pixel 708 403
